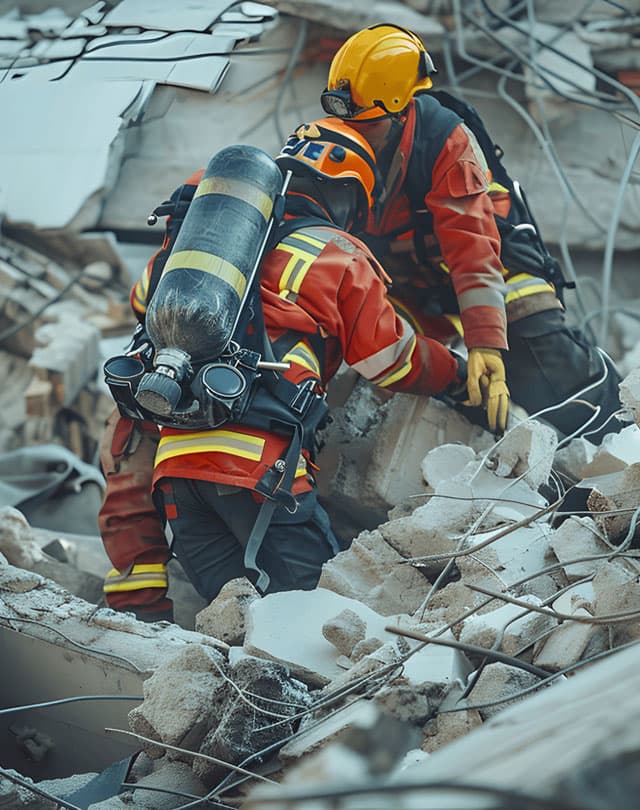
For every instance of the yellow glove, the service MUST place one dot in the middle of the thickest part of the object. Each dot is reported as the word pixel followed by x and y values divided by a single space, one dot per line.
pixel 486 384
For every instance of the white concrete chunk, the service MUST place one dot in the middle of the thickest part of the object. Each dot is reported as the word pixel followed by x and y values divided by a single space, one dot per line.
pixel 179 698
pixel 527 449
pixel 225 618
pixel 444 462
pixel 516 633
pixel 16 540
pixel 372 572
pixel 565 646
pixel 578 537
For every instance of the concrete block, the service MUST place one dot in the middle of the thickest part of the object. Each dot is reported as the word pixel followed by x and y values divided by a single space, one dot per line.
pixel 68 356
pixel 565 646
pixel 432 528
pixel 444 462
pixel 497 682
pixel 225 617
pixel 373 450
pixel 515 633
pixel 630 394
pixel 528 450
pixel 573 457
pixel 252 719
pixel 616 452
pixel 578 537
pixel 372 572
pixel 446 728
pixel 18 797
pixel 415 426
pixel 180 698
pixel 344 631
pixel 616 588
pixel 617 490
pixel 16 540
pixel 315 733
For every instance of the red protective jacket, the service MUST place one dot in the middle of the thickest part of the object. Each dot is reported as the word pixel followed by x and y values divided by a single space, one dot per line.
pixel 464 231
pixel 318 281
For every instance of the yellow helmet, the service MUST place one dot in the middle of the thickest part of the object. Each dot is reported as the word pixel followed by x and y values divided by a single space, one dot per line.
pixel 381 67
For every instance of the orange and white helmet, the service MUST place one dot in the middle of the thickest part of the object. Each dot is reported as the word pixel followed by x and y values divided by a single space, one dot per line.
pixel 376 72
pixel 337 158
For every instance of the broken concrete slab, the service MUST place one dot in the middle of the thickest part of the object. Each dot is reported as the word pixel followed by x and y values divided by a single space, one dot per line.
pixel 288 627
pixel 181 699
pixel 526 450
pixel 445 728
pixel 497 682
pixel 565 646
pixel 71 160
pixel 371 571
pixel 578 537
pixel 510 626
pixel 253 717
pixel 615 491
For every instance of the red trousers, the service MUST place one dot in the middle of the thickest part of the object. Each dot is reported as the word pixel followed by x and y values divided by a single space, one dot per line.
pixel 131 529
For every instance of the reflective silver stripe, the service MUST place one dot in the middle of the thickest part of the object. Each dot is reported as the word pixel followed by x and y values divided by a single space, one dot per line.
pixel 477 151
pixel 386 359
pixel 481 297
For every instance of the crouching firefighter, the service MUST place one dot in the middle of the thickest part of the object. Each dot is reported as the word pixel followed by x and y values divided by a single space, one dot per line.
pixel 245 341
pixel 456 234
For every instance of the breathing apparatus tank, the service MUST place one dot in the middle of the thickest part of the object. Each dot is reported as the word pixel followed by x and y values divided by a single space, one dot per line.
pixel 198 301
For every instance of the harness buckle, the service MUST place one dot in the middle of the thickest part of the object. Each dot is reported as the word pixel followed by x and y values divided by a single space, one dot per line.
pixel 305 396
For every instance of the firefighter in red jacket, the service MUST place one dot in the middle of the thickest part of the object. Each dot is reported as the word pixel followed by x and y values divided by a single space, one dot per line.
pixel 325 300
pixel 435 232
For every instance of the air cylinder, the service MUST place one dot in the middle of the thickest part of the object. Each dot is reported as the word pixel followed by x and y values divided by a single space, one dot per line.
pixel 205 280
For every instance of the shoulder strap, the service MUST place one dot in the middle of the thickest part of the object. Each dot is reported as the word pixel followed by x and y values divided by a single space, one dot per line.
pixel 175 208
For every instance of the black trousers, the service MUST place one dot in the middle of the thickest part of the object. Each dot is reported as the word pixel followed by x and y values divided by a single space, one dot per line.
pixel 548 362
pixel 208 525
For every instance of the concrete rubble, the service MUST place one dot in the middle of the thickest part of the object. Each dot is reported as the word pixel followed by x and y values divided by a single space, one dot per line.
pixel 426 642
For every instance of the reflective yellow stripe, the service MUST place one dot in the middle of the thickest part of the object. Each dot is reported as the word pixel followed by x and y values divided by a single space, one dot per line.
pixel 524 284
pixel 149 568
pixel 493 186
pixel 231 442
pixel 404 369
pixel 456 321
pixel 296 269
pixel 139 302
pixel 140 576
pixel 240 189
pixel 133 585
pixel 302 355
pixel 207 263
pixel 301 469
pixel 402 310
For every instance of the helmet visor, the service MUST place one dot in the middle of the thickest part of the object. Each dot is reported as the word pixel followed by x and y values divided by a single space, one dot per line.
pixel 340 104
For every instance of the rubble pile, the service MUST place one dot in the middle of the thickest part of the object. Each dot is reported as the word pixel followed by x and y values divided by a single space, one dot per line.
pixel 480 571
pixel 458 606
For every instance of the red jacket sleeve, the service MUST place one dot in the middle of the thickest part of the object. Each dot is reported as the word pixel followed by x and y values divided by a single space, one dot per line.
pixel 465 227
pixel 345 293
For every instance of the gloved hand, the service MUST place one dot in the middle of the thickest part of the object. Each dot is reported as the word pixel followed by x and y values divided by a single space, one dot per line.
pixel 486 385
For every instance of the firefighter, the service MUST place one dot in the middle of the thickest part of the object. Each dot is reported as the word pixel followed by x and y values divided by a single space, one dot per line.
pixel 434 230
pixel 325 300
